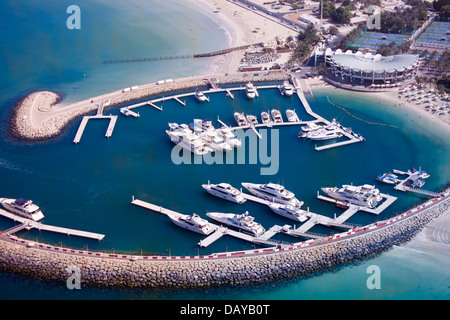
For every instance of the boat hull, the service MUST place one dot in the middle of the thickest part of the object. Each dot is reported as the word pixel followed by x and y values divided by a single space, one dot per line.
pixel 238 199
pixel 35 216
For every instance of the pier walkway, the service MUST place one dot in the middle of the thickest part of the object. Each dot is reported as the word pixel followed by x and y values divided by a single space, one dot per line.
pixel 31 224
pixel 99 115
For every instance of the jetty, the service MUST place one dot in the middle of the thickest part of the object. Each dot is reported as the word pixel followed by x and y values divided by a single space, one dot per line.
pixel 99 115
pixel 219 230
pixel 408 183
pixel 31 224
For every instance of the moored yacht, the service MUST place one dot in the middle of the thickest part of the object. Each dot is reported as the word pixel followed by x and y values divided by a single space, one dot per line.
pixel 200 96
pixel 240 119
pixel 179 127
pixel 192 223
pixel 388 178
pixel 201 125
pixel 292 116
pixel 365 195
pixel 273 192
pixel 276 116
pixel 286 89
pixel 243 222
pixel 229 137
pixel 24 208
pixel 250 91
pixel 225 191
pixel 265 117
pixel 289 211
pixel 190 142
pixel 252 120
pixel 332 131
pixel 214 141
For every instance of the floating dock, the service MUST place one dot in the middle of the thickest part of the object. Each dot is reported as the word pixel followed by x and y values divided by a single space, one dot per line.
pixel 99 115
pixel 401 186
pixel 31 224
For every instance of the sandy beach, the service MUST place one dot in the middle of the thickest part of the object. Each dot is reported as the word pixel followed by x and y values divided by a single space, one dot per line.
pixel 244 27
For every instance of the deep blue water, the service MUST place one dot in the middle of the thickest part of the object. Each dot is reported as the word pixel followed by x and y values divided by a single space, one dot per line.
pixel 89 186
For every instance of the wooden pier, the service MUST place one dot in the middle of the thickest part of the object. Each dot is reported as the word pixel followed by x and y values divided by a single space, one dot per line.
pixel 31 224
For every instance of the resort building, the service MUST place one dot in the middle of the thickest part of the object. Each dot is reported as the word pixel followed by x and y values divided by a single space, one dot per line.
pixel 368 69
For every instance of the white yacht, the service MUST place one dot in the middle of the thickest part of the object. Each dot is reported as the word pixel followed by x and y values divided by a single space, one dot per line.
pixel 225 191
pixel 175 127
pixel 250 91
pixel 287 89
pixel 200 96
pixel 273 192
pixel 215 141
pixel 288 211
pixel 365 195
pixel 388 178
pixel 190 142
pixel 243 222
pixel 252 120
pixel 229 137
pixel 332 131
pixel 200 125
pixel 276 116
pixel 192 223
pixel 24 208
pixel 265 117
pixel 240 119
pixel 312 126
pixel 292 116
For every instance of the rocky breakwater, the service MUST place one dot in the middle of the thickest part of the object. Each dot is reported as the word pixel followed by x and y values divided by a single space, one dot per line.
pixel 190 272
pixel 42 115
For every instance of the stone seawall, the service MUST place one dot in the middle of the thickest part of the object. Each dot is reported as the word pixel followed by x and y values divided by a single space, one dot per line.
pixel 227 271
pixel 39 116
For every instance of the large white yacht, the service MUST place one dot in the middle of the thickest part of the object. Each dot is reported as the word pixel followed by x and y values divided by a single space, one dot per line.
pixel 240 119
pixel 287 89
pixel 332 131
pixel 273 192
pixel 192 223
pixel 288 211
pixel 24 208
pixel 250 91
pixel 365 195
pixel 243 222
pixel 225 191
pixel 200 125
pixel 229 137
pixel 189 141
pixel 276 116
pixel 179 127
pixel 215 141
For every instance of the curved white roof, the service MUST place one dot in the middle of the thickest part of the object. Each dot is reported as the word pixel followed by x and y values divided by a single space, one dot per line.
pixel 377 62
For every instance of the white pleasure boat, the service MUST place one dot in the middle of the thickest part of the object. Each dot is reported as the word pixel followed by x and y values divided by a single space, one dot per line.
pixel 200 96
pixel 240 119
pixel 250 91
pixel 201 125
pixel 272 192
pixel 332 131
pixel 192 223
pixel 265 117
pixel 243 222
pixel 225 191
pixel 388 178
pixel 276 116
pixel 287 89
pixel 229 137
pixel 175 127
pixel 288 211
pixel 24 208
pixel 252 120
pixel 190 142
pixel 292 116
pixel 215 141
pixel 365 195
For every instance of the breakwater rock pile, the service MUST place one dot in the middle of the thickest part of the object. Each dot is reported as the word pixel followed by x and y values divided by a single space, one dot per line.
pixel 38 116
pixel 227 271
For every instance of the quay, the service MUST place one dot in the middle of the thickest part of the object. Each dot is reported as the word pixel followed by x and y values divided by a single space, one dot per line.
pixel 99 115
pixel 411 177
pixel 31 224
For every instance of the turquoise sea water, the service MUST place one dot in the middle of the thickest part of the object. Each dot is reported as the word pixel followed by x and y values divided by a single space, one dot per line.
pixel 89 186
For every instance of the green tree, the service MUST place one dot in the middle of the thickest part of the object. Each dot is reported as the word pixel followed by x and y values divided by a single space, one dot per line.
pixel 342 15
